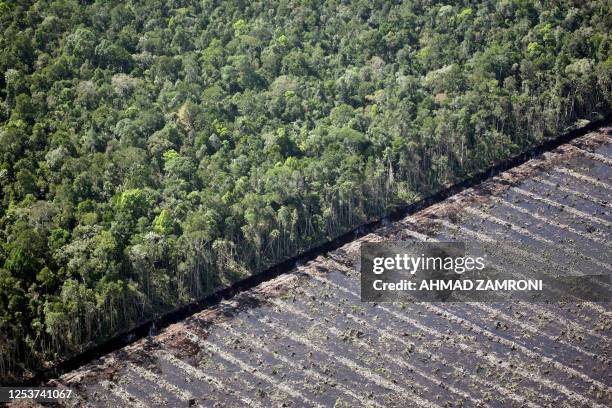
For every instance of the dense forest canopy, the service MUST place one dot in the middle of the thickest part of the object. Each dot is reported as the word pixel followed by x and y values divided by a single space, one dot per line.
pixel 154 150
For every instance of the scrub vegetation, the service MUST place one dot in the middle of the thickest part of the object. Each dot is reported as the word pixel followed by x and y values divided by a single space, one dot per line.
pixel 152 151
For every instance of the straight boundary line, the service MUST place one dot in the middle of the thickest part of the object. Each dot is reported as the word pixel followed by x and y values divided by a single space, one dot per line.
pixel 150 326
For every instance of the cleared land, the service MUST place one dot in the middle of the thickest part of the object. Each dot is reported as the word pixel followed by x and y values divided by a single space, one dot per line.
pixel 305 339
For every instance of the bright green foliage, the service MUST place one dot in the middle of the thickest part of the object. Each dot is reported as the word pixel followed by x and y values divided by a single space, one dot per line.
pixel 153 151
pixel 164 223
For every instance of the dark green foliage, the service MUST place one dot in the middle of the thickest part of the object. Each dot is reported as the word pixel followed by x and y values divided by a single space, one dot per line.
pixel 152 151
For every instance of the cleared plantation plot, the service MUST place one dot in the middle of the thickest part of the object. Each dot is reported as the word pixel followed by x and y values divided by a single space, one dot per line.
pixel 306 339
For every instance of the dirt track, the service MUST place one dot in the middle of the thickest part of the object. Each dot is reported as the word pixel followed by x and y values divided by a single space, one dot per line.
pixel 305 339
